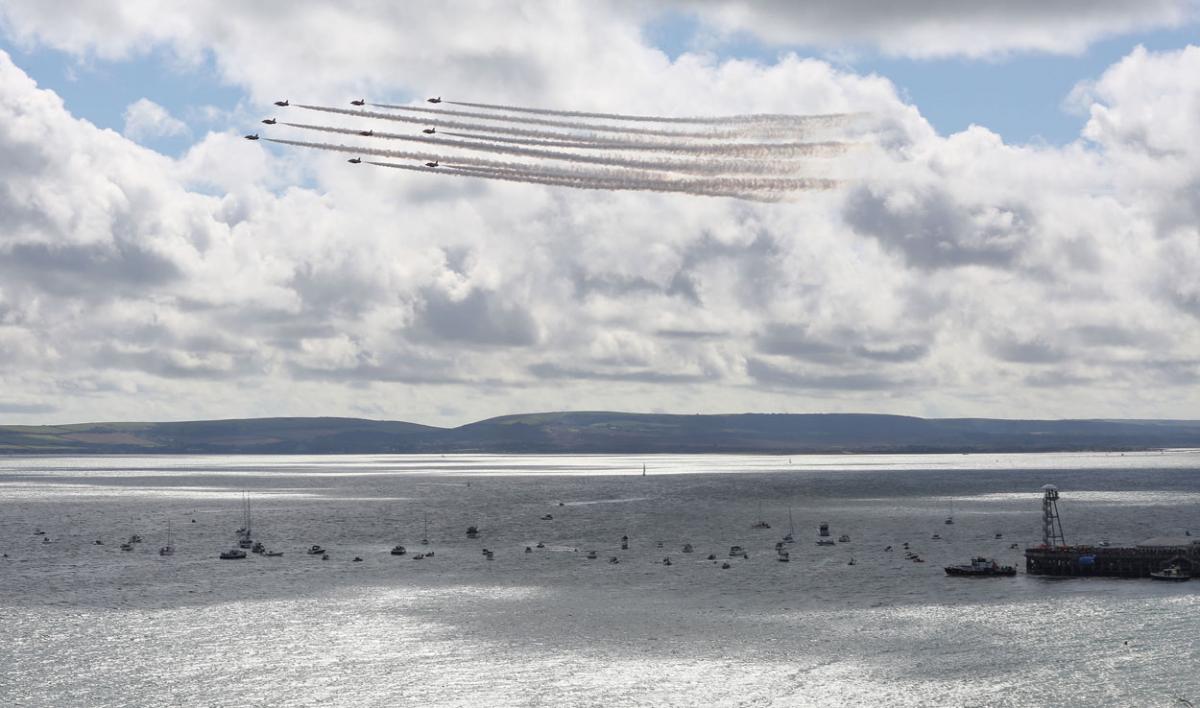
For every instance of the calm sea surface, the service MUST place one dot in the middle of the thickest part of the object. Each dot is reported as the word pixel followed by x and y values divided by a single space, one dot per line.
pixel 89 625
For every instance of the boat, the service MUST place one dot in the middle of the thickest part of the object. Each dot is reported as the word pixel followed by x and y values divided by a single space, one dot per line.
pixel 614 560
pixel 315 550
pixel 937 537
pixel 356 559
pixel 982 568
pixel 233 554
pixel 791 534
pixel 540 544
pixel 126 546
pixel 591 555
pixel 999 536
pixel 949 520
pixel 783 557
pixel 529 549
pixel 666 561
pixel 843 539
pixel 135 538
pixel 472 531
pixel 852 561
pixel 39 532
pixel 624 543
pixel 761 523
pixel 244 534
pixel 273 554
pixel 169 549
pixel 1172 573
pixel 824 541
pixel 823 530
pixel 258 548
pixel 548 517
pixel 736 551
pixel 687 548
pixel 399 550
pixel 725 566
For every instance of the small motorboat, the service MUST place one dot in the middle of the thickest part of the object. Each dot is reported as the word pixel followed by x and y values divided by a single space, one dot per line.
pixel 843 539
pixel 1171 573
pixel 999 536
pixel 233 554
pixel 490 555
pixel 852 561
pixel 887 549
pixel 659 544
pixel 949 520
pixel 399 550
pixel 789 539
pixel 39 532
pixel 324 556
pixel 614 560
pixel 624 543
pixel 1014 546
pixel 258 548
pixel 356 559
pixel 98 542
pixel 937 537
pixel 126 546
pixel 419 556
pixel 529 549
pixel 273 554
pixel 591 555
pixel 687 548
pixel 548 517
pixel 725 565
pixel 135 538
pixel 472 532
pixel 783 557
pixel 315 550
pixel 760 525
pixel 712 556
pixel 429 554
pixel 540 544
pixel 736 551
pixel 982 568
pixel 824 541
pixel 46 539
pixel 666 561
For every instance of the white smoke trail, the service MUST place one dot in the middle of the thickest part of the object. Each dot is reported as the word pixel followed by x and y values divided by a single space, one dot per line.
pixel 586 183
pixel 759 188
pixel 707 166
pixel 730 130
pixel 782 118
pixel 761 150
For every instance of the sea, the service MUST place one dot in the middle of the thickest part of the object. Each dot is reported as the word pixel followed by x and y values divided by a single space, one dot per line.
pixel 540 624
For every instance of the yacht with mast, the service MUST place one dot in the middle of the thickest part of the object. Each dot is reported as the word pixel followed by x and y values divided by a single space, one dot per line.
pixel 169 549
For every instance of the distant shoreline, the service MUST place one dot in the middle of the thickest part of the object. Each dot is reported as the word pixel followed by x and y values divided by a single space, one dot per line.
pixel 605 433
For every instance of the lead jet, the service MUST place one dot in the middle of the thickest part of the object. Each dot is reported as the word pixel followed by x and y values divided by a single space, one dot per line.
pixel 434 100
pixel 366 133
pixel 281 103
pixel 359 102
pixel 429 131
pixel 269 121
pixel 252 136
pixel 354 160
pixel 432 164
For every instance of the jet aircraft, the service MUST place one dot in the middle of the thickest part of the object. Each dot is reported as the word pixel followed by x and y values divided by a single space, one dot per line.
pixel 354 160
pixel 366 133
pixel 429 131
pixel 359 102
pixel 252 136
pixel 281 103
pixel 269 121
pixel 432 164
pixel 434 100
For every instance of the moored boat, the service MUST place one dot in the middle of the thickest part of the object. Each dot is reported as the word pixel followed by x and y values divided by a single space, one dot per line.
pixel 1172 573
pixel 982 568
pixel 233 554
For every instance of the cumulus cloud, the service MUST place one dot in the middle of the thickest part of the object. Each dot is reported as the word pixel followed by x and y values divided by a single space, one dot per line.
pixel 146 119
pixel 960 275
pixel 938 28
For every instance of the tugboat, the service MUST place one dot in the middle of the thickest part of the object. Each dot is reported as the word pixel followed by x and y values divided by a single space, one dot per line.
pixel 982 568
pixel 1172 573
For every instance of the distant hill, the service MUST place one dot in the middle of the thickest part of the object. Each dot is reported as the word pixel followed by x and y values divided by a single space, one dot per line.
pixel 601 432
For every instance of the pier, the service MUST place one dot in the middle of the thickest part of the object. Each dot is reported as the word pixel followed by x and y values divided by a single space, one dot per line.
pixel 1056 558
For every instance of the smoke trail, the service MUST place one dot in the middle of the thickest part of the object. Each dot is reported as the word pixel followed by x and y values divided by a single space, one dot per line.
pixel 669 137
pixel 757 188
pixel 761 150
pixel 693 120
pixel 769 128
pixel 584 183
pixel 697 166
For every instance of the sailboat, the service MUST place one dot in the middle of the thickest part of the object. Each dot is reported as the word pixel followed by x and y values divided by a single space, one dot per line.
pixel 169 549
pixel 791 534
pixel 246 541
pixel 760 524
pixel 425 534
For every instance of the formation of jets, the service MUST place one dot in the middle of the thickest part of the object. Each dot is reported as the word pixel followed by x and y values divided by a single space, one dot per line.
pixel 364 133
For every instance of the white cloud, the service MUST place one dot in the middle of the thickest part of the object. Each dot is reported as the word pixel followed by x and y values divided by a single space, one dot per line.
pixel 961 276
pixel 146 119
pixel 938 28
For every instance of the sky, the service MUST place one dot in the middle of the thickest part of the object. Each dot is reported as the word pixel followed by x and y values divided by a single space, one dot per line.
pixel 1018 237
